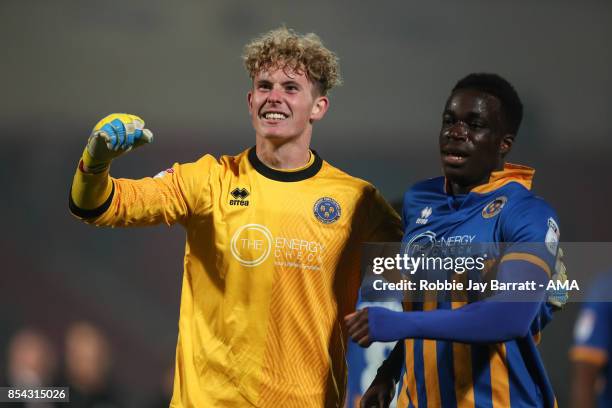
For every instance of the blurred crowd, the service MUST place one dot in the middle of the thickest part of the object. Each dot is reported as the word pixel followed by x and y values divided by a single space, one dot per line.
pixel 84 364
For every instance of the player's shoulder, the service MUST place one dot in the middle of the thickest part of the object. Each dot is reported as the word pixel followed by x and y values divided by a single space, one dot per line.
pixel 434 184
pixel 527 217
pixel 343 180
pixel 423 195
pixel 425 189
pixel 201 169
pixel 524 201
pixel 228 160
pixel 225 162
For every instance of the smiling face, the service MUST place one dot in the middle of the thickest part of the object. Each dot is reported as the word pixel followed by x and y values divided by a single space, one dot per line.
pixel 283 104
pixel 473 139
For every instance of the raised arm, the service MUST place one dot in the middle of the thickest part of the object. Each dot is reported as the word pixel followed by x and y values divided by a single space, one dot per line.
pixel 489 321
pixel 97 198
pixel 113 136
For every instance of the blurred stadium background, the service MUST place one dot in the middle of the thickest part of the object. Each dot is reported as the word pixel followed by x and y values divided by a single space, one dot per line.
pixel 66 64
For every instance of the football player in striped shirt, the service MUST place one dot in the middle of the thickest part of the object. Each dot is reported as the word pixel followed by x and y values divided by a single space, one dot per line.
pixel 273 238
pixel 472 353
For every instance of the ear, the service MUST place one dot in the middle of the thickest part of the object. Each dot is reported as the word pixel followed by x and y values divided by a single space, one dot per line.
pixel 319 108
pixel 250 101
pixel 506 144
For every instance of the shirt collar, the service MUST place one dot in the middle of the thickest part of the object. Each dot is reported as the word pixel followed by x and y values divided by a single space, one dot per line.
pixel 511 173
pixel 309 170
pixel 516 173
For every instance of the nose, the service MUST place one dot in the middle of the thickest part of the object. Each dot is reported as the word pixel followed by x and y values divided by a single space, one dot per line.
pixel 274 96
pixel 457 130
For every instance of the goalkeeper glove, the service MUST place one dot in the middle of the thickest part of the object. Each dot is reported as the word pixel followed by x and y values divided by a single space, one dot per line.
pixel 558 297
pixel 114 135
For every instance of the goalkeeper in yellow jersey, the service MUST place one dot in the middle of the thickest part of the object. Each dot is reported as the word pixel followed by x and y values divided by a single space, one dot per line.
pixel 273 238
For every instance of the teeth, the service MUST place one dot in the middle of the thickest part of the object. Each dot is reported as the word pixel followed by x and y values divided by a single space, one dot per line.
pixel 275 116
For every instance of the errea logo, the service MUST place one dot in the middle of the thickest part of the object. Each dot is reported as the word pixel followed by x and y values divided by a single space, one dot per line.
pixel 425 213
pixel 240 195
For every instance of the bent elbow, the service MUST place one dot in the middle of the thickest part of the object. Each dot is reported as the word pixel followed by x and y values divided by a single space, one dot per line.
pixel 520 331
pixel 515 329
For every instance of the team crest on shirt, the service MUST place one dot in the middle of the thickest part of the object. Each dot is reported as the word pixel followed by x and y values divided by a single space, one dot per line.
pixel 327 210
pixel 494 207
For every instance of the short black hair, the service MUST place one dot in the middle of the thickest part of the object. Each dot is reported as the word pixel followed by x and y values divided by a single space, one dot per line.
pixel 499 87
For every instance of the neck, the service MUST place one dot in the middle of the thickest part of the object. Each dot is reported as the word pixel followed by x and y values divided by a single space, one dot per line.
pixel 465 186
pixel 457 188
pixel 283 156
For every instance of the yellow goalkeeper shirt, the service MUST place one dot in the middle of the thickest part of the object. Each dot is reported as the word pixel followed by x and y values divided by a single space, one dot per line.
pixel 271 267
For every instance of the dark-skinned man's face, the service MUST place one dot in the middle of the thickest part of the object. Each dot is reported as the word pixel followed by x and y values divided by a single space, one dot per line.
pixel 473 139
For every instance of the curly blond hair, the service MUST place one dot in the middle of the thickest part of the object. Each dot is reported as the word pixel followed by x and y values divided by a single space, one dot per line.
pixel 286 49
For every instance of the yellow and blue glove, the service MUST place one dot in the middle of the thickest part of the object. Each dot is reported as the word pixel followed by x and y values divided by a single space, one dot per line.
pixel 113 136
pixel 558 297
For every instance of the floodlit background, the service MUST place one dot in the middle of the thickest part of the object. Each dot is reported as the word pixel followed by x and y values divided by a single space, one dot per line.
pixel 66 64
